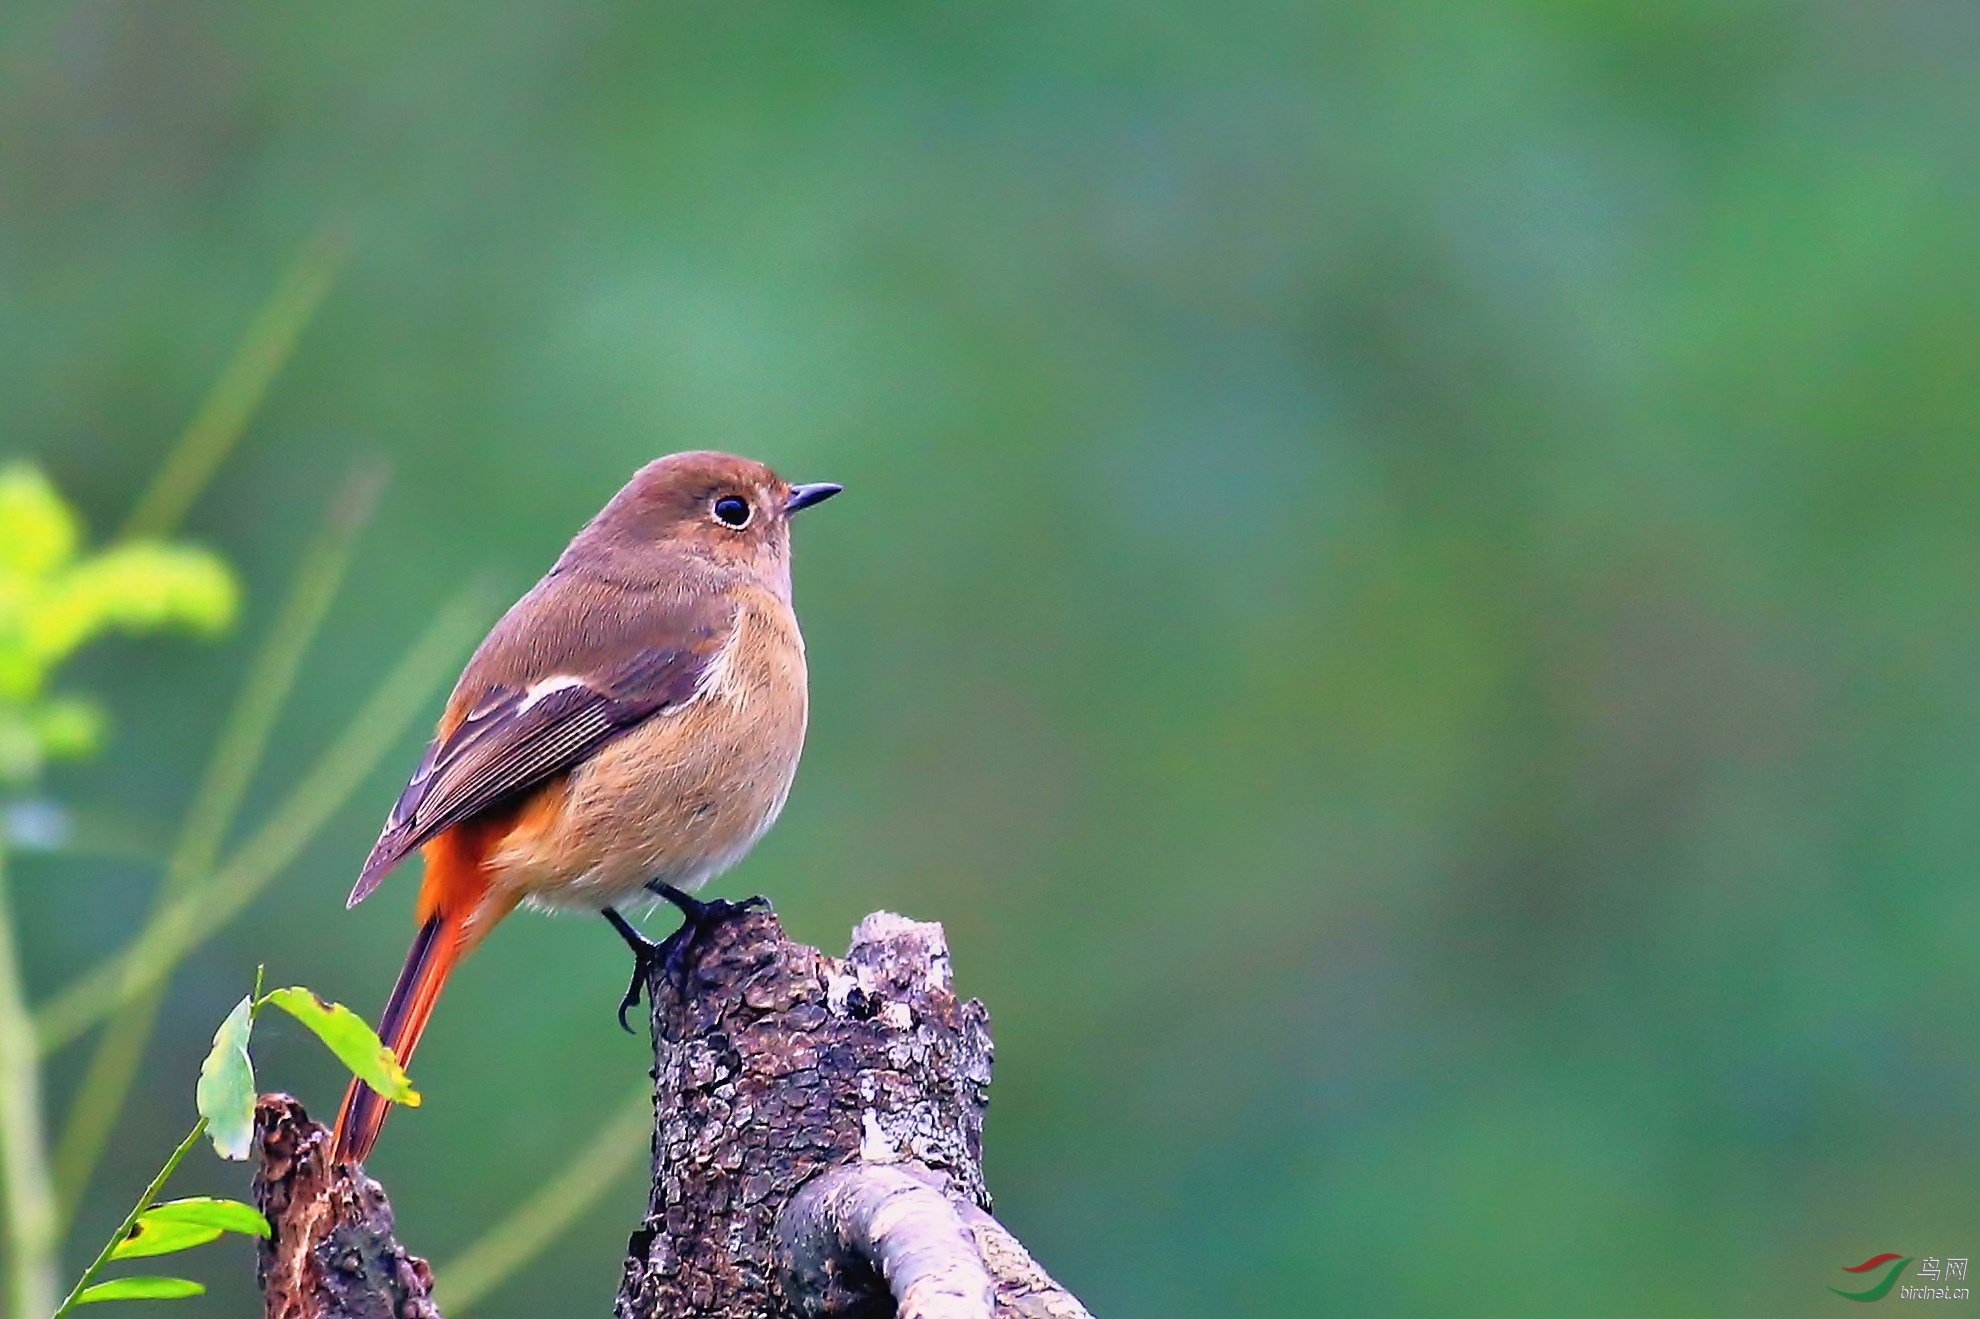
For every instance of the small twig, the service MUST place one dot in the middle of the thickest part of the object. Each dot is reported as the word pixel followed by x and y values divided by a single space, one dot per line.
pixel 856 1226
pixel 1024 1289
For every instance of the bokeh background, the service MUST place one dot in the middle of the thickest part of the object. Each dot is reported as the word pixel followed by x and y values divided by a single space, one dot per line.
pixel 1409 589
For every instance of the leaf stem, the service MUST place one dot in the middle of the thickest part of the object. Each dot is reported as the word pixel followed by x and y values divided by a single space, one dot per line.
pixel 145 1201
pixel 25 1188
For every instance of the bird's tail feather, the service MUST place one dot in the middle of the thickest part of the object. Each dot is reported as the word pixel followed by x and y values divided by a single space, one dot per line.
pixel 435 950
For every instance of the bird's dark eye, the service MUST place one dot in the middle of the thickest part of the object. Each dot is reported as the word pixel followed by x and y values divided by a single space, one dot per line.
pixel 731 511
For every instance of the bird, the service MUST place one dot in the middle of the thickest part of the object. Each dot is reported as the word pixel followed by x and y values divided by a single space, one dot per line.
pixel 626 731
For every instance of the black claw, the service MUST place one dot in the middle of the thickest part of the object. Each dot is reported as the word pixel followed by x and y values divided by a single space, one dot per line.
pixel 646 955
pixel 631 1000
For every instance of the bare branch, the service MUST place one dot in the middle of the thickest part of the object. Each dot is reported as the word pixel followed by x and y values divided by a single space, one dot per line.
pixel 867 1223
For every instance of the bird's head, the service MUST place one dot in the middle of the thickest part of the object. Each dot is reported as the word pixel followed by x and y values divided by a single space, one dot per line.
pixel 730 511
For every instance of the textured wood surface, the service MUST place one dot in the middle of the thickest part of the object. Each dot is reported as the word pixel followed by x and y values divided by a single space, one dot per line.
pixel 774 1064
pixel 333 1254
pixel 817 1151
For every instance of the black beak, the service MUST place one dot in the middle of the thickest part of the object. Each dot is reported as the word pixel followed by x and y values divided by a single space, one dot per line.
pixel 804 496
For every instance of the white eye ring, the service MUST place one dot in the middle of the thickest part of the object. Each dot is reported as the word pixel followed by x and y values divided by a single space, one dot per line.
pixel 731 511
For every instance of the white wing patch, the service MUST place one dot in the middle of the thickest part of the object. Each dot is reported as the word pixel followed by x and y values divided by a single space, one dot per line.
pixel 547 687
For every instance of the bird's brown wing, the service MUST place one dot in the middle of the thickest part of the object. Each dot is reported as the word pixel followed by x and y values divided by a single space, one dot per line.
pixel 515 735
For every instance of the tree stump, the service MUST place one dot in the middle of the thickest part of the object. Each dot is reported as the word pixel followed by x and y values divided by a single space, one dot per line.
pixel 817 1151
pixel 332 1254
pixel 818 1137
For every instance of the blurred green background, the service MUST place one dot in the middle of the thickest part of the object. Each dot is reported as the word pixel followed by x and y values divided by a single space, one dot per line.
pixel 1409 589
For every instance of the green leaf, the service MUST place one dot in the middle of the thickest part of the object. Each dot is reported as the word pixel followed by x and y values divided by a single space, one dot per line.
pixel 354 1043
pixel 38 531
pixel 183 1224
pixel 206 1211
pixel 148 1236
pixel 142 587
pixel 226 1085
pixel 141 1289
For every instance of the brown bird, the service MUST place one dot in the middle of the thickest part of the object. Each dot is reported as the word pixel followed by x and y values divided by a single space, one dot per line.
pixel 629 729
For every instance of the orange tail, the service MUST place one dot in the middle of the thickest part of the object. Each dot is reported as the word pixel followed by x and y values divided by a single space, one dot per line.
pixel 455 914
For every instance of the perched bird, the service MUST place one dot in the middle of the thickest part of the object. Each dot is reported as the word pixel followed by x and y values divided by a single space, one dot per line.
pixel 628 729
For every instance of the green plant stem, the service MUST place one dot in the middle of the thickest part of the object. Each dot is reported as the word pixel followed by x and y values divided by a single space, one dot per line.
pixel 145 1201
pixel 235 761
pixel 190 920
pixel 223 415
pixel 25 1189
pixel 545 1216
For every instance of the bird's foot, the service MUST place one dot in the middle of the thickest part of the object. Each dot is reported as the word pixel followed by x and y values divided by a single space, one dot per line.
pixel 698 918
pixel 673 955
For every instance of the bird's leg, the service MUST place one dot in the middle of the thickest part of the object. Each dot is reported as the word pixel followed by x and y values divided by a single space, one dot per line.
pixel 697 919
pixel 647 954
pixel 673 952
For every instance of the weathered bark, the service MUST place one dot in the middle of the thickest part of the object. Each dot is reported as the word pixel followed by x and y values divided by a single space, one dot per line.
pixel 1024 1289
pixel 332 1255
pixel 818 1139
pixel 818 1146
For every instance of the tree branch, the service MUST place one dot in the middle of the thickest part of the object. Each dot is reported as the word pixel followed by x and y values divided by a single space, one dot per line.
pixel 863 1226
